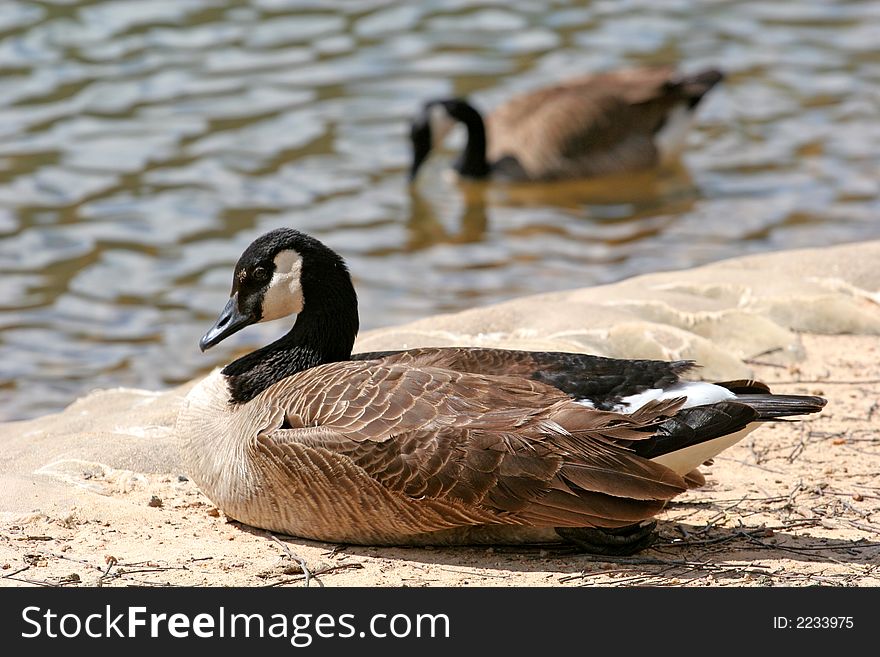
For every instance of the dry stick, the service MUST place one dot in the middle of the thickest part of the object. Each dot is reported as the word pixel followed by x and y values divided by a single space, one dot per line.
pixel 707 502
pixel 863 514
pixel 323 571
pixel 124 571
pixel 705 541
pixel 788 524
pixel 754 359
pixel 850 439
pixel 670 566
pixel 751 361
pixel 110 563
pixel 636 561
pixel 630 580
pixel 35 581
pixel 465 572
pixel 793 494
pixel 730 537
pixel 858 451
pixel 818 548
pixel 66 558
pixel 79 561
pixel 298 559
pixel 758 457
pixel 15 572
pixel 797 451
pixel 336 549
pixel 160 569
pixel 863 527
pixel 751 465
pixel 805 551
pixel 164 585
pixel 583 574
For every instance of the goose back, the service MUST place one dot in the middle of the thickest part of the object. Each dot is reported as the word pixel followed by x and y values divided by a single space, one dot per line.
pixel 592 125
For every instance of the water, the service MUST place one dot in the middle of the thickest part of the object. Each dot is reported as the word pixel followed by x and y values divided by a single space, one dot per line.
pixel 144 143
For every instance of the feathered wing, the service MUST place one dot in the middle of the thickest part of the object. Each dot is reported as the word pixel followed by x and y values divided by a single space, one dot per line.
pixel 591 125
pixel 482 449
pixel 601 380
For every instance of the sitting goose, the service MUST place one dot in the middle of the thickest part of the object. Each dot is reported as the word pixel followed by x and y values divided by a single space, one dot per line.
pixel 606 123
pixel 441 445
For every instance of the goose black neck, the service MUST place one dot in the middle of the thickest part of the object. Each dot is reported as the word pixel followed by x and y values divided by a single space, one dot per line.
pixel 472 162
pixel 320 335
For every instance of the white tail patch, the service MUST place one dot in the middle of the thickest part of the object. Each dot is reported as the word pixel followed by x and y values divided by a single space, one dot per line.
pixel 671 138
pixel 684 460
pixel 698 393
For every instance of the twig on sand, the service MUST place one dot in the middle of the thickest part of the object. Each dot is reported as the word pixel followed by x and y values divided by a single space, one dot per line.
pixel 293 557
pixel 670 566
pixel 751 465
pixel 467 572
pixel 863 527
pixel 15 572
pixel 322 571
pixel 754 359
pixel 38 582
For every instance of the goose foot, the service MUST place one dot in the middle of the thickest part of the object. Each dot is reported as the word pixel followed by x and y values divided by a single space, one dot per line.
pixel 620 542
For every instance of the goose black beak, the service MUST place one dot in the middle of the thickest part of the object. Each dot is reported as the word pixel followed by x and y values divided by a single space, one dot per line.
pixel 231 320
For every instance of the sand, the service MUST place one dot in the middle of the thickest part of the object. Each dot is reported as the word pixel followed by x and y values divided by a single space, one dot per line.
pixel 94 496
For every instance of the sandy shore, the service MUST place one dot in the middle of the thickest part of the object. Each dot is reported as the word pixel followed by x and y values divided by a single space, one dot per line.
pixel 94 496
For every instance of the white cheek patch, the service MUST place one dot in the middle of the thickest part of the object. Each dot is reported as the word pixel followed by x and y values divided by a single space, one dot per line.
pixel 284 293
pixel 441 124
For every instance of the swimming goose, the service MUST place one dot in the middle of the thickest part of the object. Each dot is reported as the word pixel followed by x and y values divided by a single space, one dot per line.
pixel 441 445
pixel 600 124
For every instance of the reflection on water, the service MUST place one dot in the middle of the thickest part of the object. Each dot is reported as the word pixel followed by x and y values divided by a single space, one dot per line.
pixel 428 218
pixel 144 143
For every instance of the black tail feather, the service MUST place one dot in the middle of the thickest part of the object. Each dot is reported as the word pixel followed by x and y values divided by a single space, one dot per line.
pixel 771 407
pixel 698 424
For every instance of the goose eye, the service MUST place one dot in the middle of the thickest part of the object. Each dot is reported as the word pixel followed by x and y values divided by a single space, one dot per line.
pixel 260 274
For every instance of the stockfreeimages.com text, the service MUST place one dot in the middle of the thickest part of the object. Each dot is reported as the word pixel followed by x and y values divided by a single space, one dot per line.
pixel 299 629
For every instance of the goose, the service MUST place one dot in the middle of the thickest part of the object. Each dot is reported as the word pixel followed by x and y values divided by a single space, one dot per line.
pixel 441 446
pixel 594 125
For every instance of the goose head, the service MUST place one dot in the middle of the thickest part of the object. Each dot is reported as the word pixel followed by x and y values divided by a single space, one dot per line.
pixel 285 272
pixel 435 122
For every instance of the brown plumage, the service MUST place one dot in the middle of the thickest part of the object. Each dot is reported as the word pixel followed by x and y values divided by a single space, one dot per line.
pixel 363 452
pixel 605 123
pixel 436 446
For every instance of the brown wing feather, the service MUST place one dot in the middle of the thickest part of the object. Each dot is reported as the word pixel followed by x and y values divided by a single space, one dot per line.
pixel 476 360
pixel 595 124
pixel 504 446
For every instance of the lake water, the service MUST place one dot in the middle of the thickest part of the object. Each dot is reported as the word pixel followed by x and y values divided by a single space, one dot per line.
pixel 144 143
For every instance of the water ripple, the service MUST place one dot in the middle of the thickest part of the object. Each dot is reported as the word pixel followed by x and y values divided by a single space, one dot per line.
pixel 144 143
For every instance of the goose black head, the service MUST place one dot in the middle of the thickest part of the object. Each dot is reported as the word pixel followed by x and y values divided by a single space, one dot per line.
pixel 437 119
pixel 275 276
pixel 431 127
